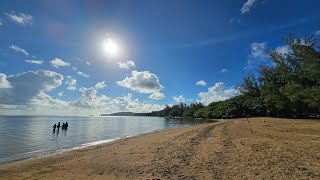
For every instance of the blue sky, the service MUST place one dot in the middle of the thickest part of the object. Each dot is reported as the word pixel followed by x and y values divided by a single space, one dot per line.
pixel 92 57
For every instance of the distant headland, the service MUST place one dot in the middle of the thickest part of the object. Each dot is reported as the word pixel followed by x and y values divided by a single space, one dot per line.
pixel 130 114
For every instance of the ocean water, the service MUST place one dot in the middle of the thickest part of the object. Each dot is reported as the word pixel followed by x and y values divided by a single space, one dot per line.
pixel 29 136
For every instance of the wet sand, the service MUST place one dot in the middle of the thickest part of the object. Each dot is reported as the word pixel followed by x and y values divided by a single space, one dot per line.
pixel 277 149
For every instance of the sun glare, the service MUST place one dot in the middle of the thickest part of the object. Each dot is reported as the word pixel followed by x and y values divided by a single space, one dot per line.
pixel 110 47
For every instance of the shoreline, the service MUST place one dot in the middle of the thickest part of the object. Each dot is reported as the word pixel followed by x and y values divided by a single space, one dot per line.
pixel 277 149
pixel 49 153
pixel 59 151
pixel 77 148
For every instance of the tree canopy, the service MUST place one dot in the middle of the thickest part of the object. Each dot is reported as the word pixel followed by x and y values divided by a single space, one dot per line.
pixel 288 88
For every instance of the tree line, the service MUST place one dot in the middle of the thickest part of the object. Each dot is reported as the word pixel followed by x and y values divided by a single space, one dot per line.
pixel 288 88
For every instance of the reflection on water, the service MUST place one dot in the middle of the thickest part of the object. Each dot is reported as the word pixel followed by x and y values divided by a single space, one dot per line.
pixel 55 132
pixel 23 136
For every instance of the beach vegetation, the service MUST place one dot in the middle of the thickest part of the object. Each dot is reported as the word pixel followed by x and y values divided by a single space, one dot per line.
pixel 289 87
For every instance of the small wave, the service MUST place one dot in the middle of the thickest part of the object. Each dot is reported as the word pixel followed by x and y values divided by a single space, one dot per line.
pixel 97 143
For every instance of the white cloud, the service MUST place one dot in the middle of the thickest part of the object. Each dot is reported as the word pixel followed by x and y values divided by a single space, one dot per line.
pixel 234 19
pixel 258 50
pixel 42 102
pixel 201 83
pixel 71 88
pixel 247 6
pixel 134 105
pixel 82 74
pixel 224 70
pixel 126 65
pixel 20 18
pixel 56 62
pixel 3 81
pixel 142 82
pixel 91 100
pixel 1 23
pixel 19 49
pixel 39 62
pixel 27 85
pixel 217 93
pixel 74 68
pixel 60 94
pixel 100 85
pixel 179 99
pixel 317 33
pixel 71 84
pixel 258 54
pixel 27 94
pixel 88 63
pixel 157 96
pixel 285 49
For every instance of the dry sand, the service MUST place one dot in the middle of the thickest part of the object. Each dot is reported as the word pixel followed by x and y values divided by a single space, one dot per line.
pixel 277 149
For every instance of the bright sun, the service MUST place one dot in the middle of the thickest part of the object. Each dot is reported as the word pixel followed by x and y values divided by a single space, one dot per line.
pixel 110 47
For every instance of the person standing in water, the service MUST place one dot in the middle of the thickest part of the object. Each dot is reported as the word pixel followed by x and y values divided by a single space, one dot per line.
pixel 58 126
pixel 54 127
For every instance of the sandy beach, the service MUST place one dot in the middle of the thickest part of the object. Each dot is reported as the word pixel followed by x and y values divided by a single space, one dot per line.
pixel 277 149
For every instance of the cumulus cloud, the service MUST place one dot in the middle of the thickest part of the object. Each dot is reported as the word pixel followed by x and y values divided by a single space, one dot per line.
pixel 88 63
pixel 224 70
pixel 134 105
pixel 39 102
pixel 19 49
pixel 157 96
pixel 100 85
pixel 179 99
pixel 217 93
pixel 82 74
pixel 27 93
pixel 247 6
pixel 142 82
pixel 56 62
pixel 91 100
pixel 44 102
pixel 126 65
pixel 71 84
pixel 201 83
pixel 3 81
pixel 39 62
pixel 27 85
pixel 20 18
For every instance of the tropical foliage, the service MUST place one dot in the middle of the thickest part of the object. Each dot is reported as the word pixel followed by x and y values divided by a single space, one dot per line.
pixel 288 88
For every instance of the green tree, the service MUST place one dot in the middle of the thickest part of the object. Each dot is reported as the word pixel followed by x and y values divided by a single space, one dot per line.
pixel 175 113
pixel 290 87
